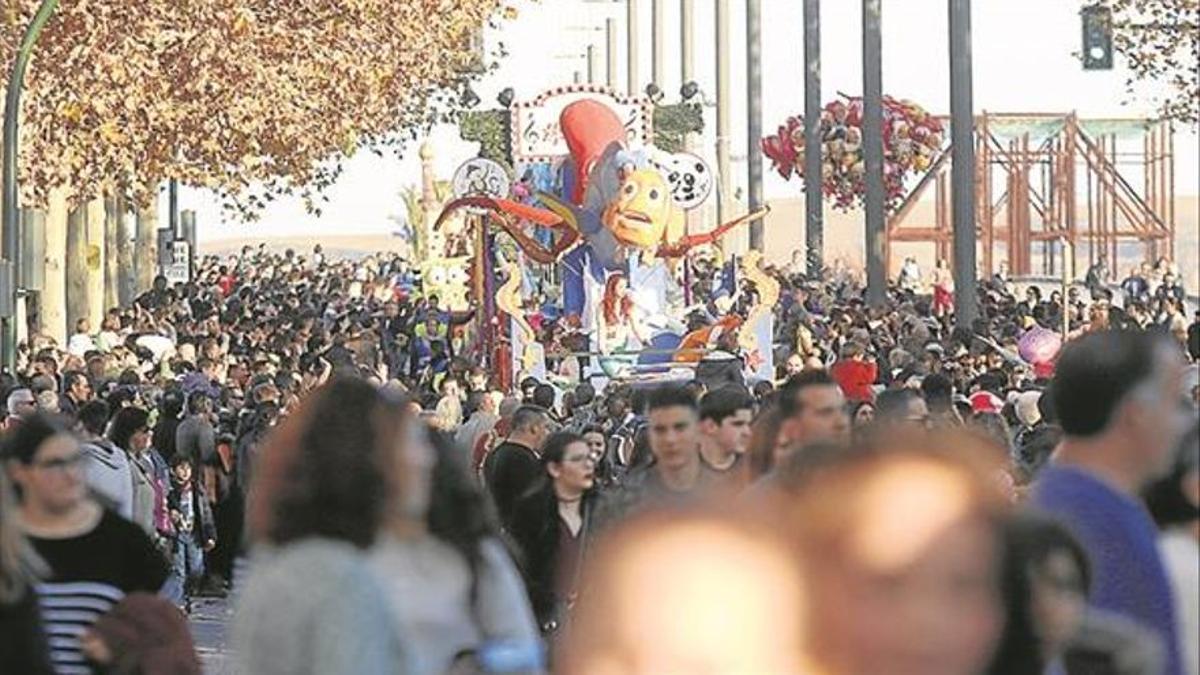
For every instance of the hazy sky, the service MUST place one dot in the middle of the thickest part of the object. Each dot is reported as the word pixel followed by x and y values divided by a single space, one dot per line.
pixel 1022 62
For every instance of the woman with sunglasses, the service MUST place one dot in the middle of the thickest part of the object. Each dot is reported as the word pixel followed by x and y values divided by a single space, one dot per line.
pixel 93 556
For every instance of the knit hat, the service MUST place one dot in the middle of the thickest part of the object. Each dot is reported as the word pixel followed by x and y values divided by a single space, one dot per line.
pixel 1027 408
pixel 985 402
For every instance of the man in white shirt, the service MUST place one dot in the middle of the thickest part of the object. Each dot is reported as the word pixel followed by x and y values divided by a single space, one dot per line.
pixel 81 342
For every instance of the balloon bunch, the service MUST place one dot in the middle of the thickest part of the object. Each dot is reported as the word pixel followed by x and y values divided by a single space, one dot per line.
pixel 911 139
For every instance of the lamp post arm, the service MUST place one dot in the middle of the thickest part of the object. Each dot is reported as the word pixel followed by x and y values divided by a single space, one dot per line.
pixel 12 109
pixel 9 226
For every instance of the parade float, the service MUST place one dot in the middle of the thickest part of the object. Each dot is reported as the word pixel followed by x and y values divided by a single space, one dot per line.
pixel 585 220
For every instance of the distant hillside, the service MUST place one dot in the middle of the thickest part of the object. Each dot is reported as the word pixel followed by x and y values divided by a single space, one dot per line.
pixel 337 245
pixel 784 233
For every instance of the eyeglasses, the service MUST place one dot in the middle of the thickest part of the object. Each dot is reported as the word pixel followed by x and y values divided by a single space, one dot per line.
pixel 60 463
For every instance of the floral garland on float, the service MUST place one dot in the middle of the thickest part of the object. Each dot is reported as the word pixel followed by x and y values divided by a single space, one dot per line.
pixel 912 139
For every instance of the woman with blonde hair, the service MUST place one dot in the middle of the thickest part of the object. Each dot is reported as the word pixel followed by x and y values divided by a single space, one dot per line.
pixel 22 642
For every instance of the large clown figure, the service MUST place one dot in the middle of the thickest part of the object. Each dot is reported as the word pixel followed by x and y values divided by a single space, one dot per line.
pixel 617 214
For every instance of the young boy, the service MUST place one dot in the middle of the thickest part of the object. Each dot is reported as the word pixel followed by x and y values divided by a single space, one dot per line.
pixel 195 532
pixel 725 417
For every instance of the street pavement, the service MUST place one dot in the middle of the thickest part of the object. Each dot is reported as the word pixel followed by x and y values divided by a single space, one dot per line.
pixel 208 621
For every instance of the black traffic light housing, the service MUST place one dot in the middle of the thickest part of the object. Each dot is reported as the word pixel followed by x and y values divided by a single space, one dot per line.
pixel 1097 38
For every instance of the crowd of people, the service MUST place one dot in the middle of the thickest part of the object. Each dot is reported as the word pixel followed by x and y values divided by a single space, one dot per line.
pixel 318 439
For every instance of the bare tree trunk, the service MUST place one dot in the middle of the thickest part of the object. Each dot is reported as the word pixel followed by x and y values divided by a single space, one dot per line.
pixel 95 262
pixel 112 264
pixel 124 256
pixel 52 303
pixel 76 267
pixel 146 248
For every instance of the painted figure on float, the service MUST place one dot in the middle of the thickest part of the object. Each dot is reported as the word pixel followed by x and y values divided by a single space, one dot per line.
pixel 614 225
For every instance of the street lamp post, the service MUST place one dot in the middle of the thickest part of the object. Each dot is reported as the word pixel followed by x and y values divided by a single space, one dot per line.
pixel 814 226
pixel 962 163
pixel 724 191
pixel 872 125
pixel 754 117
pixel 10 242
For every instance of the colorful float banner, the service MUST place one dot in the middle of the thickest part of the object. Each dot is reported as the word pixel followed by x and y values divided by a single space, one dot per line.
pixel 537 136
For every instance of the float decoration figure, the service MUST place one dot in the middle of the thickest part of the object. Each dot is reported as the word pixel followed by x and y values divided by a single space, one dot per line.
pixel 621 204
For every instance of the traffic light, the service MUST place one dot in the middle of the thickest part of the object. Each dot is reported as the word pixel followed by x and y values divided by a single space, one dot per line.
pixel 1097 38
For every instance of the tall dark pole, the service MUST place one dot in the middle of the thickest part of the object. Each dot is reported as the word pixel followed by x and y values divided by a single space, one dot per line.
pixel 10 241
pixel 173 208
pixel 814 221
pixel 962 163
pixel 754 116
pixel 633 84
pixel 873 151
pixel 724 175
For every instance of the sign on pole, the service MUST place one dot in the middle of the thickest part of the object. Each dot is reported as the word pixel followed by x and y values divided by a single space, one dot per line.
pixel 179 270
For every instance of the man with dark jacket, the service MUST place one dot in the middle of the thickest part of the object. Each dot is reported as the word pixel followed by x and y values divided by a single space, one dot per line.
pixel 513 467
pixel 195 438
pixel 77 390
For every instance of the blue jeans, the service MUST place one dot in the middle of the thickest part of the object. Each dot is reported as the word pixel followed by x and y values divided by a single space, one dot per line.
pixel 187 567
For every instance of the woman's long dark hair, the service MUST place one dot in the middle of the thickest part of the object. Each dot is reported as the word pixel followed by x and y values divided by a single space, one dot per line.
pixel 124 424
pixel 327 470
pixel 1018 650
pixel 536 531
pixel 459 513
pixel 554 450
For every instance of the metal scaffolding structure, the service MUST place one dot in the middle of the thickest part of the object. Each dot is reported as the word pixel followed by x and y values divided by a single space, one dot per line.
pixel 1046 180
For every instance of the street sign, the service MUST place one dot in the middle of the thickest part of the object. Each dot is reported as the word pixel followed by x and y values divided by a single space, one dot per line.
pixel 179 270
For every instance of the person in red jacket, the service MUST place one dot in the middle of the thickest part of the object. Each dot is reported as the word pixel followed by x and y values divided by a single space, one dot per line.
pixel 855 373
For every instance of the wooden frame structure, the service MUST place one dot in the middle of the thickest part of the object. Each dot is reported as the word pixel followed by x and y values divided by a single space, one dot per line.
pixel 1046 180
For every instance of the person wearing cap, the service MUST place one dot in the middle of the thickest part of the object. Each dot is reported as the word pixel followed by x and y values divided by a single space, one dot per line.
pixel 1037 436
pixel 985 402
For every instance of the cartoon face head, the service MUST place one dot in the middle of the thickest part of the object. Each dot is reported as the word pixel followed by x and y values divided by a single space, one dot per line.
pixel 643 211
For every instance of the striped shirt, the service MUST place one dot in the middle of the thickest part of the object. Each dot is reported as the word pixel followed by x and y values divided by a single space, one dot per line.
pixel 68 609
pixel 89 575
